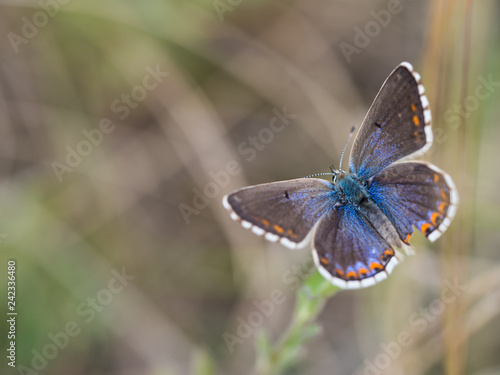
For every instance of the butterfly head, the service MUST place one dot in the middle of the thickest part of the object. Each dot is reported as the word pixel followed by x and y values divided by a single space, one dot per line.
pixel 337 174
pixel 350 188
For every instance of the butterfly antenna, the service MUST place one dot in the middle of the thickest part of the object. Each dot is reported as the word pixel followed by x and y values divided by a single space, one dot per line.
pixel 343 151
pixel 319 174
pixel 335 172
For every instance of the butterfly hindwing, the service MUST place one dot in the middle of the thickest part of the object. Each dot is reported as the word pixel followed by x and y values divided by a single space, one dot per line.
pixel 349 251
pixel 415 194
pixel 397 125
pixel 283 211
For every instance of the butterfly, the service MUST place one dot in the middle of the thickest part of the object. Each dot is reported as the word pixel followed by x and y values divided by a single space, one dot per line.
pixel 361 222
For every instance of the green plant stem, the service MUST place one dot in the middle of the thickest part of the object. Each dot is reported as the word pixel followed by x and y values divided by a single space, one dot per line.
pixel 310 300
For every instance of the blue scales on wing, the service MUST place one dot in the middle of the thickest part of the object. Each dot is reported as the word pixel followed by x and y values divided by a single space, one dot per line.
pixel 397 125
pixel 349 251
pixel 284 211
pixel 415 194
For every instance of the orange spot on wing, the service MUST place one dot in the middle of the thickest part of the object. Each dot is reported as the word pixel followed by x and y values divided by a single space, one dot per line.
pixel 352 275
pixel 415 120
pixel 417 136
pixel 339 273
pixel 407 239
pixel 278 229
pixel 265 222
pixel 434 217
pixel 441 207
pixel 386 255
pixel 413 107
pixel 376 266
pixel 292 234
pixel 324 261
pixel 436 177
pixel 443 194
pixel 363 272
pixel 424 227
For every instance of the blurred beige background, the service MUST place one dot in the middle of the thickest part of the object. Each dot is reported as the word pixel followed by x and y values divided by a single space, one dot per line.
pixel 123 124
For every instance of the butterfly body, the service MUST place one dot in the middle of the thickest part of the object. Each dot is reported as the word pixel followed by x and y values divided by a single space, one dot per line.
pixel 351 189
pixel 363 218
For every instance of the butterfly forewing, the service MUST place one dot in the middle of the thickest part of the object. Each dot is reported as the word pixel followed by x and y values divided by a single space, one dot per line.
pixel 396 126
pixel 283 211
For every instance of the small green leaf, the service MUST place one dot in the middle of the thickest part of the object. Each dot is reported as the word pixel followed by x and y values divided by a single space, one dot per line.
pixel 311 331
